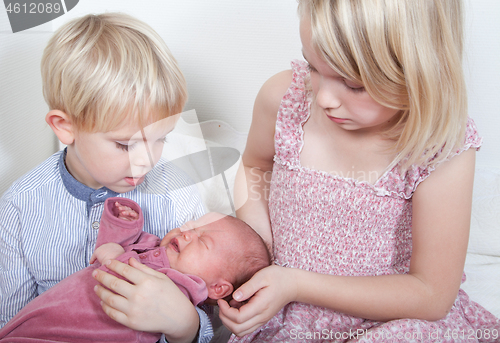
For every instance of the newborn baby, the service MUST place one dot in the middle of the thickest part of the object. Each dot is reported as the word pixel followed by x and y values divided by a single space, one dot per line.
pixel 206 258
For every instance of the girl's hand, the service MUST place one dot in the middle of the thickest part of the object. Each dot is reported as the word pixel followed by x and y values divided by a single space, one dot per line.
pixel 106 252
pixel 150 301
pixel 269 290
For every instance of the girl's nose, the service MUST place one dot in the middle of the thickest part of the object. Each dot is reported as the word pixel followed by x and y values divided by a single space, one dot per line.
pixel 327 96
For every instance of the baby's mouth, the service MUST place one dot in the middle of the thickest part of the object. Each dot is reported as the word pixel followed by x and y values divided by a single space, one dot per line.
pixel 174 244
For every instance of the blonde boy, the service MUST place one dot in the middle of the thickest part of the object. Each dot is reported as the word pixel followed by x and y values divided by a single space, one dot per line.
pixel 113 90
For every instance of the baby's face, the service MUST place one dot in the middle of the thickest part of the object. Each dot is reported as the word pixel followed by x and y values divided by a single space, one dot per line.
pixel 200 247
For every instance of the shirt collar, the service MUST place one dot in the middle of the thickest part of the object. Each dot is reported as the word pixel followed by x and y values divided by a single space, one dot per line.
pixel 79 190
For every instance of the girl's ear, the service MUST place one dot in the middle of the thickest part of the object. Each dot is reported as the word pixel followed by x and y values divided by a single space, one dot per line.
pixel 220 290
pixel 60 123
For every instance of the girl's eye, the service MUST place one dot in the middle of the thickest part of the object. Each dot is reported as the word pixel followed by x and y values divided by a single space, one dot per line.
pixel 352 86
pixel 311 68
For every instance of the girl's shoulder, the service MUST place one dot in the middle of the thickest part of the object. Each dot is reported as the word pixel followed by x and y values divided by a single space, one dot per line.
pixel 404 184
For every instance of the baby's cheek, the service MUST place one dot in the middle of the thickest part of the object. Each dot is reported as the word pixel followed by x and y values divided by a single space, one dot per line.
pixel 168 237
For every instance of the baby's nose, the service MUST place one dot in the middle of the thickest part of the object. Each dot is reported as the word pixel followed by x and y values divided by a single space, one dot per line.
pixel 189 235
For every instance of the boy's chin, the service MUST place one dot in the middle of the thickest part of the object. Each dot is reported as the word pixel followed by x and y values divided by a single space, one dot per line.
pixel 120 188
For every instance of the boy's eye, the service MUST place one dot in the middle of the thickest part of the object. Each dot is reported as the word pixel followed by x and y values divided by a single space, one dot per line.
pixel 124 147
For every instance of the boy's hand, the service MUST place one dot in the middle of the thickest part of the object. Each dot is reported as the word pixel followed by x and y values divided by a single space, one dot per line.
pixel 106 252
pixel 149 301
pixel 125 212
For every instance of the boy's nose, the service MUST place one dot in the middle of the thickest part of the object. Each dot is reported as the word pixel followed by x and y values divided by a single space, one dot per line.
pixel 142 157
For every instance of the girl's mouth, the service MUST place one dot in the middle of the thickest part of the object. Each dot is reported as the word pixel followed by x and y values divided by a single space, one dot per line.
pixel 337 120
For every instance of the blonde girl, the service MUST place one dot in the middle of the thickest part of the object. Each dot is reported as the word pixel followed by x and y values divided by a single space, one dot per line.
pixel 372 158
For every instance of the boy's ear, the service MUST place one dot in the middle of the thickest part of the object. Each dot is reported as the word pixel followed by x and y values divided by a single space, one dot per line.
pixel 60 123
pixel 220 289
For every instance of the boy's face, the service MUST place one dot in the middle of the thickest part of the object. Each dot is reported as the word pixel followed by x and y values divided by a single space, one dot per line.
pixel 117 159
pixel 202 249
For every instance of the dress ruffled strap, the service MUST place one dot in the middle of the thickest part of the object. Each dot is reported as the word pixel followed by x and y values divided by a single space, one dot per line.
pixel 292 114
pixel 393 184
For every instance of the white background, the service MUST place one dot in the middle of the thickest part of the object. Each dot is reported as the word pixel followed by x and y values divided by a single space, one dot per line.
pixel 226 49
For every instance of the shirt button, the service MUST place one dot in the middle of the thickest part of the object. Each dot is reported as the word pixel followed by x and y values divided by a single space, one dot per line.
pixel 95 225
pixel 142 256
pixel 100 195
pixel 156 253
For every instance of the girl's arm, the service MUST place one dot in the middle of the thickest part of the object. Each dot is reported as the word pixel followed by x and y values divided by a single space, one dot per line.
pixel 440 228
pixel 254 176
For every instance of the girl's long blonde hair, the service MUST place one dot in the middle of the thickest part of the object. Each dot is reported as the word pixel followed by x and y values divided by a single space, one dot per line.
pixel 408 55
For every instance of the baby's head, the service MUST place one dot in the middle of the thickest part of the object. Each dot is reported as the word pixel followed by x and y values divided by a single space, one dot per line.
pixel 104 70
pixel 222 250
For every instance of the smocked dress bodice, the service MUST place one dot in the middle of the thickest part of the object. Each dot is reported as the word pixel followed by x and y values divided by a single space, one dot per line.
pixel 338 225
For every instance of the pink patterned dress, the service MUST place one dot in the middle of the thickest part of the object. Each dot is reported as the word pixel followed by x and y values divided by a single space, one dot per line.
pixel 334 225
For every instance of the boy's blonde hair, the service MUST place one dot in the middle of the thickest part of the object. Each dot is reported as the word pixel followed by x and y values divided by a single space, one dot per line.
pixel 408 55
pixel 102 70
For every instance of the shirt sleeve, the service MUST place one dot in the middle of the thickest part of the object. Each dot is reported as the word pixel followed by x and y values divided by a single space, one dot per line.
pixel 206 332
pixel 17 285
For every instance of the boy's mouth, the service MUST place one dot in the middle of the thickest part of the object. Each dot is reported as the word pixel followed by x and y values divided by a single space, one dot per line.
pixel 134 181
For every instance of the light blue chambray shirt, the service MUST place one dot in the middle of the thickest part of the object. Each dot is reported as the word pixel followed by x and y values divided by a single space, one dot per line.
pixel 49 223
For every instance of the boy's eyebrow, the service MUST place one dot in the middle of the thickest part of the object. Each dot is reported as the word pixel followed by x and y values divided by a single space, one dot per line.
pixel 141 138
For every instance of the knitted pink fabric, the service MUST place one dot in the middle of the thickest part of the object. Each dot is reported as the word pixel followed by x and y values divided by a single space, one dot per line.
pixel 337 225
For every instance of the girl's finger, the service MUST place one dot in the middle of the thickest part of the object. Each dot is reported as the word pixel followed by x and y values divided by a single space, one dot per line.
pixel 248 289
pixel 231 318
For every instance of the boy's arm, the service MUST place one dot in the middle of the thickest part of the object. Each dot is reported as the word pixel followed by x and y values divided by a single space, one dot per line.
pixel 205 331
pixel 17 286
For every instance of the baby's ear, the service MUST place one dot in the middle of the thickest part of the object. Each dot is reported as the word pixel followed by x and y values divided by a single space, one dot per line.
pixel 220 290
pixel 60 123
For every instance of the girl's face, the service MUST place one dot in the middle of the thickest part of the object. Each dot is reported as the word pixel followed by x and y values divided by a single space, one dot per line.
pixel 342 101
